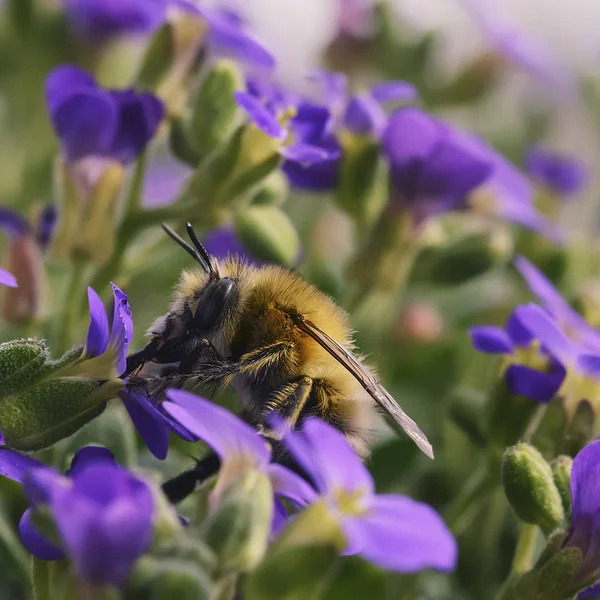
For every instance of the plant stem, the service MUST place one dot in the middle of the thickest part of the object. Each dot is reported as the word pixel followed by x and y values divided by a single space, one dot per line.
pixel 534 422
pixel 71 302
pixel 14 548
pixel 522 559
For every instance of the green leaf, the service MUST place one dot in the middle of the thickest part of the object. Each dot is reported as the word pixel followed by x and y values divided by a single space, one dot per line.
pixel 158 58
pixel 20 361
pixel 356 578
pixel 113 430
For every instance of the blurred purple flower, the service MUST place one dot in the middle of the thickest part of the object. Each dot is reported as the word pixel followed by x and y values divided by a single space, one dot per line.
pixel 103 514
pixel 562 174
pixel 223 242
pixel 99 20
pixel 584 530
pixel 513 341
pixel 355 18
pixel 103 342
pixel 520 49
pixel 433 168
pixel 436 168
pixel 25 262
pixel 391 531
pixel 237 444
pixel 309 148
pixel 93 122
pixel 7 279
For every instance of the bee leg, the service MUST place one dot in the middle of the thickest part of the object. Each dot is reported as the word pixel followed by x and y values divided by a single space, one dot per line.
pixel 203 351
pixel 287 402
pixel 180 487
pixel 137 360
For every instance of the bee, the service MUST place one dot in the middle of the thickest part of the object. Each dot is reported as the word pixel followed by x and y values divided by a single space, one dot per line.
pixel 284 346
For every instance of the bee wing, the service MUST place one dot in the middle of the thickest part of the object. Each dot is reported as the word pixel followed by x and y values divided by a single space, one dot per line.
pixel 368 382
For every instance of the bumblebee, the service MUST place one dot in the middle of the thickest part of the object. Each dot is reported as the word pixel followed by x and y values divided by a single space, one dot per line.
pixel 284 346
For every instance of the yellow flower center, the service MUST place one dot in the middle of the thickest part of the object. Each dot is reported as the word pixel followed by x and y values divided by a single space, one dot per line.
pixel 350 503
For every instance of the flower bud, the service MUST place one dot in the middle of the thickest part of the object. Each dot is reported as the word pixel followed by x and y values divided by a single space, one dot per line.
pixel 463 260
pixel 268 234
pixel 421 323
pixel 214 112
pixel 238 529
pixel 561 472
pixel 23 303
pixel 85 226
pixel 358 193
pixel 273 190
pixel 530 489
pixel 155 579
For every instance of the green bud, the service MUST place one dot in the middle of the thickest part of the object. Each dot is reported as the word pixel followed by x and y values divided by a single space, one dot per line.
pixel 188 547
pixel 268 234
pixel 463 260
pixel 529 487
pixel 215 111
pixel 273 190
pixel 158 58
pixel 360 192
pixel 20 362
pixel 156 579
pixel 238 528
pixel 475 80
pixel 561 472
pixel 167 526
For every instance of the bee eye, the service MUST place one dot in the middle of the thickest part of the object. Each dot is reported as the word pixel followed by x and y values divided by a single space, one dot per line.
pixel 218 296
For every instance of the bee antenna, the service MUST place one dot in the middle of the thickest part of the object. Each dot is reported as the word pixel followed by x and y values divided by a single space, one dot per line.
pixel 207 266
pixel 200 248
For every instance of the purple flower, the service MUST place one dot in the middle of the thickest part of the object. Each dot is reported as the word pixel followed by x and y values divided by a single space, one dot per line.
pixel 223 242
pixel 562 174
pixel 567 318
pixel 304 140
pixel 355 18
pixel 102 513
pixel 584 530
pixel 528 372
pixel 153 423
pixel 520 49
pixel 238 446
pixel 104 19
pixel 24 260
pixel 391 531
pixel 106 348
pixel 435 168
pixel 93 122
pixel 7 279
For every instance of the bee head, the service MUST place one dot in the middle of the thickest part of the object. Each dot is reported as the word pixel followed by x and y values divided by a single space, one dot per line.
pixel 219 295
